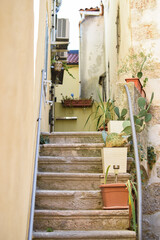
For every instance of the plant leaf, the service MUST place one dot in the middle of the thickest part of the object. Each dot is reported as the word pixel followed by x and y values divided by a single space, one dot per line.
pixel 124 112
pixel 116 110
pixel 142 113
pixel 128 130
pixel 141 102
pixel 106 175
pixel 139 74
pixel 148 117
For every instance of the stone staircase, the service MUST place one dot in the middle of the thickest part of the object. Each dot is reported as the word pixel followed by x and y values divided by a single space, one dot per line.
pixel 68 198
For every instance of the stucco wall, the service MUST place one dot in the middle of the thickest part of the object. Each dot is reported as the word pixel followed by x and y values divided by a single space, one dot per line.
pixel 92 60
pixel 19 102
pixel 69 85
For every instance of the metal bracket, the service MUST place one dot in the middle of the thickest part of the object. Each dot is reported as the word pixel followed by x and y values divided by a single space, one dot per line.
pixel 47 81
pixel 49 102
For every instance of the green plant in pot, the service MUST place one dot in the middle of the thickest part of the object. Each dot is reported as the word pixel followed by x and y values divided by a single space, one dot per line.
pixel 60 66
pixel 114 195
pixel 137 63
pixel 117 125
pixel 115 151
pixel 103 113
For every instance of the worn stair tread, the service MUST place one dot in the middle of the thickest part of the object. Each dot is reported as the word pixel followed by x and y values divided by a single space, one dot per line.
pixel 85 234
pixel 94 133
pixel 64 192
pixel 71 175
pixel 69 159
pixel 79 213
pixel 84 175
pixel 72 145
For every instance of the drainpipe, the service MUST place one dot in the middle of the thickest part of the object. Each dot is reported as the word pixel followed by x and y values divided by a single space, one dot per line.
pixel 83 15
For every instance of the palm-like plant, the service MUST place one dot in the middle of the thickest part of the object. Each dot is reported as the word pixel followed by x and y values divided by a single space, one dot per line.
pixel 104 112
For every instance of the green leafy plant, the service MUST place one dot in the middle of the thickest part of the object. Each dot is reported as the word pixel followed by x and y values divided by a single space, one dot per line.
pixel 49 229
pixel 137 62
pixel 44 140
pixel 103 113
pixel 151 157
pixel 106 175
pixel 142 118
pixel 120 115
pixel 132 195
pixel 114 139
pixel 72 98
pixel 64 65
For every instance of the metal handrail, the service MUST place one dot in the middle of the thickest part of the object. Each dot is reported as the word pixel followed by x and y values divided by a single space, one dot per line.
pixel 138 172
pixel 35 166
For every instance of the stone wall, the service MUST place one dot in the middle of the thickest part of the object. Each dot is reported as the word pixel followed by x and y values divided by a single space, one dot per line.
pixel 146 31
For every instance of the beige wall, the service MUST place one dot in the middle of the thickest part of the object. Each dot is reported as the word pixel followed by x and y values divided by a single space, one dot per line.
pixel 69 85
pixel 19 102
pixel 92 60
pixel 44 6
pixel 111 55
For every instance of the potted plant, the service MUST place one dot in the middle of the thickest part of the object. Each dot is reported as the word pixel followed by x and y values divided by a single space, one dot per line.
pixel 114 195
pixel 117 125
pixel 57 70
pixel 103 114
pixel 137 63
pixel 72 102
pixel 115 151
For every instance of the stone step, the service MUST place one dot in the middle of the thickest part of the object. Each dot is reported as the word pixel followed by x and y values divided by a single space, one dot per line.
pixel 70 164
pixel 74 149
pixel 78 220
pixel 89 235
pixel 75 181
pixel 73 137
pixel 68 200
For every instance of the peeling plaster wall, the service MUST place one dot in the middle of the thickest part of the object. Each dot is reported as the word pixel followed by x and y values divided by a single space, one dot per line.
pixel 92 60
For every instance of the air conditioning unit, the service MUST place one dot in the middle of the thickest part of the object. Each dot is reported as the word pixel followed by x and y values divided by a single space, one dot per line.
pixel 62 33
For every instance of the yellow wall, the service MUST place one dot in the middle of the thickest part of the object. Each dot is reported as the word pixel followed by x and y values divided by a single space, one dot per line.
pixel 69 85
pixel 19 102
pixel 74 125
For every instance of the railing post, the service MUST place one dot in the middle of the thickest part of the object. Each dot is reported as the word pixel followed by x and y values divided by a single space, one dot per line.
pixel 138 172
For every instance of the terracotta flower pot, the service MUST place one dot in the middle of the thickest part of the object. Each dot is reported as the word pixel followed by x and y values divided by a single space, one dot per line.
pixel 137 84
pixel 136 81
pixel 115 196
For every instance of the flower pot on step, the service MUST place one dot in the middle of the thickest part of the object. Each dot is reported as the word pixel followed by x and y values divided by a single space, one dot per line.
pixel 114 196
pixel 115 126
pixel 114 156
